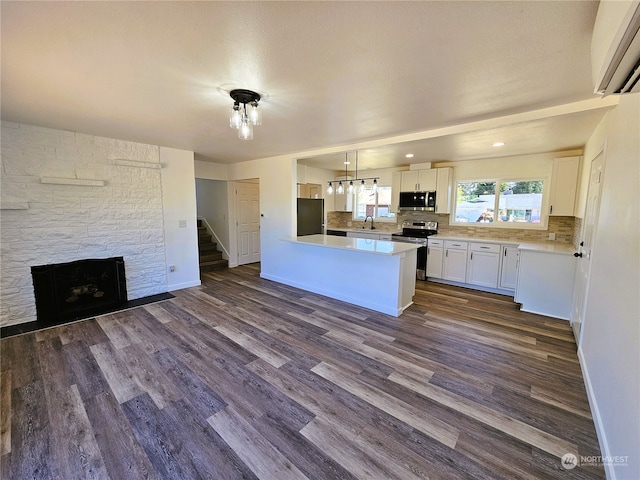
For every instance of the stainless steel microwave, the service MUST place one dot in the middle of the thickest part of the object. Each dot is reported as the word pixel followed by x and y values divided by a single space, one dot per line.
pixel 418 201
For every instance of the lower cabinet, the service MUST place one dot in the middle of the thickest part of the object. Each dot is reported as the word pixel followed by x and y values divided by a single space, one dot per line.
pixel 483 265
pixel 509 269
pixel 545 283
pixel 435 255
pixel 455 261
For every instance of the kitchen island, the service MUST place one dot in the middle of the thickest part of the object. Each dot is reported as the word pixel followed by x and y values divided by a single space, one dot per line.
pixel 376 274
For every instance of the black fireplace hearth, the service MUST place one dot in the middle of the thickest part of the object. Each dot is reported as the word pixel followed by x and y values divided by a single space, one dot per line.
pixel 71 291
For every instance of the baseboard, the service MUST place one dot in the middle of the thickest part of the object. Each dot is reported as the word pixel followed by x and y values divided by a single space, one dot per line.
pixel 180 286
pixel 597 420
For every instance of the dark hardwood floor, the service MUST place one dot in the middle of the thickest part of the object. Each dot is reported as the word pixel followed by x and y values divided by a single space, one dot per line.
pixel 246 378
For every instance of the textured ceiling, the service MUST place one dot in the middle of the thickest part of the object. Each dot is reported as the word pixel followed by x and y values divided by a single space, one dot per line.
pixel 334 74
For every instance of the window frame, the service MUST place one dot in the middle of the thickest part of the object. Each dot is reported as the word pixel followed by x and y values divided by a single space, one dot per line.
pixel 355 216
pixel 544 207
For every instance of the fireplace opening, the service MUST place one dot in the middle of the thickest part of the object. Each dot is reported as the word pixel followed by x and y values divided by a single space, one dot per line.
pixel 71 291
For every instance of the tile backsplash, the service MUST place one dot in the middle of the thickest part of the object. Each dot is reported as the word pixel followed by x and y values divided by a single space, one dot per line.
pixel 567 229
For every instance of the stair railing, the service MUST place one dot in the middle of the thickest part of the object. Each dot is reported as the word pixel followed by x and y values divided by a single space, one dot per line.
pixel 224 250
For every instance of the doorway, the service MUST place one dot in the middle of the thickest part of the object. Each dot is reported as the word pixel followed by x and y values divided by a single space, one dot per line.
pixel 248 221
pixel 587 238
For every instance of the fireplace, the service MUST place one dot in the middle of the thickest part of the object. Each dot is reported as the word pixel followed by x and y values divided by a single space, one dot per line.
pixel 70 291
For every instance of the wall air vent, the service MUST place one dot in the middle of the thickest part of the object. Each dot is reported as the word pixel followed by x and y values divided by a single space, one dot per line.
pixel 615 47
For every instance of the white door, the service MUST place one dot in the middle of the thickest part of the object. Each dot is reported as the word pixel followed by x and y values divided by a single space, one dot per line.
pixel 248 225
pixel 587 238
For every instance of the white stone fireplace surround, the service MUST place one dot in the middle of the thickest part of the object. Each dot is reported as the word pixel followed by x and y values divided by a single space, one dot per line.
pixel 68 196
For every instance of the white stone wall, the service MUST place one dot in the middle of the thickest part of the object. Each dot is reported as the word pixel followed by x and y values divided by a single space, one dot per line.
pixel 46 223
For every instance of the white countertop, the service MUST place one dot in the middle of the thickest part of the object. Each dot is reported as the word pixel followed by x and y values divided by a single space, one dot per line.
pixel 364 230
pixel 559 249
pixel 366 245
pixel 476 240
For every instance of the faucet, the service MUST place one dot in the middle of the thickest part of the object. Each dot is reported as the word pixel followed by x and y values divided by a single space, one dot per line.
pixel 365 221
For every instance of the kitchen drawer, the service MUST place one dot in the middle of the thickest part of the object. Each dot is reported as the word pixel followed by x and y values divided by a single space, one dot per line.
pixel 484 247
pixel 385 236
pixel 435 242
pixel 455 245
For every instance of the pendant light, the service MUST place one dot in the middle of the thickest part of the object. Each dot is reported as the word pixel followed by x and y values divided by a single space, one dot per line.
pixel 351 188
pixel 241 118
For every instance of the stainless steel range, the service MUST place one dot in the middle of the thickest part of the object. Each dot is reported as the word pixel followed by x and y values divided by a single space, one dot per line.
pixel 417 232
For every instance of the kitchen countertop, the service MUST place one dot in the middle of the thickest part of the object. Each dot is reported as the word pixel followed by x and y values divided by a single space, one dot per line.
pixel 366 245
pixel 366 230
pixel 476 240
pixel 558 248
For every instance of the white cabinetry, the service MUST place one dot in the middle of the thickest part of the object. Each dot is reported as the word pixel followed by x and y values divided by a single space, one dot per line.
pixel 545 281
pixel 396 185
pixel 435 254
pixel 455 261
pixel 564 183
pixel 509 267
pixel 483 264
pixel 443 190
pixel 419 180
pixel 343 202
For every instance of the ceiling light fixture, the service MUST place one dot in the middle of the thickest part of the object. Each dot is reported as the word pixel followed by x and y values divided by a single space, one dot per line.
pixel 241 118
pixel 409 155
pixel 351 187
pixel 498 144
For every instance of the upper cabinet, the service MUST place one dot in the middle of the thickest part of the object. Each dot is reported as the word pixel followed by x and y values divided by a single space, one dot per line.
pixel 564 184
pixel 419 180
pixel 396 182
pixel 443 190
pixel 342 202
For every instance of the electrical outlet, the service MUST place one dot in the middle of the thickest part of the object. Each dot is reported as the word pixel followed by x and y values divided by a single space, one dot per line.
pixel 172 268
pixel 552 236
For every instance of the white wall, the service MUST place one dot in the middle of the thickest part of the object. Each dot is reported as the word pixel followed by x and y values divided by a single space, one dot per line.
pixel 44 223
pixel 210 170
pixel 179 213
pixel 277 178
pixel 610 346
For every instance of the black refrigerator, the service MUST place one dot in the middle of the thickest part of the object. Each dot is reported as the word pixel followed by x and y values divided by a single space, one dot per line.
pixel 310 216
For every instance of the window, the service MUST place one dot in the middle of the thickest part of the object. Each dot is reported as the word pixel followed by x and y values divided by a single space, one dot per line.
pixel 500 202
pixel 374 203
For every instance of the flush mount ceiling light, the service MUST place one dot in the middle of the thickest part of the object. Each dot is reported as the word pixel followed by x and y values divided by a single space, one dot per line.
pixel 351 188
pixel 409 155
pixel 498 144
pixel 243 118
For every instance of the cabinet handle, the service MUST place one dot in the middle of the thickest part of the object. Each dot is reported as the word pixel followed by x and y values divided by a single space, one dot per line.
pixel 550 209
pixel 446 253
pixel 577 254
pixel 471 255
pixel 485 247
pixel 505 252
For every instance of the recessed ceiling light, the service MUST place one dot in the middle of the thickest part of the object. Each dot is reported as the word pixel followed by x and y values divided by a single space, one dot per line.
pixel 409 155
pixel 498 144
pixel 347 162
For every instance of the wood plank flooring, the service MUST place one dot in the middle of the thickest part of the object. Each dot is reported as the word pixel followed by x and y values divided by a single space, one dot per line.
pixel 246 378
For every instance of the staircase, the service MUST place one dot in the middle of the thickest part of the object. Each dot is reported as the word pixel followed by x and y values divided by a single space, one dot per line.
pixel 210 258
